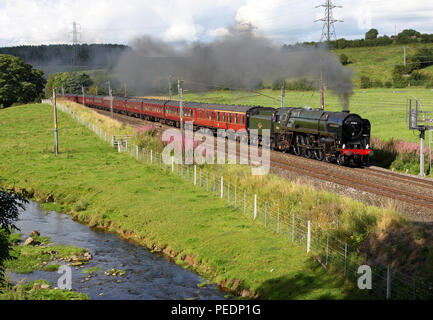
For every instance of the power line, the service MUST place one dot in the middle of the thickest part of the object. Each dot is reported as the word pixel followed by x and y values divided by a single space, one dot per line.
pixel 328 31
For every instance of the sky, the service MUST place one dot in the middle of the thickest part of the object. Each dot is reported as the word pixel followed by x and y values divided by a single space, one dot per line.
pixel 33 22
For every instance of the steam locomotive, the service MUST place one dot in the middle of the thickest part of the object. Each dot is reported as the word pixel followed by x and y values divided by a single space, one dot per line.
pixel 341 137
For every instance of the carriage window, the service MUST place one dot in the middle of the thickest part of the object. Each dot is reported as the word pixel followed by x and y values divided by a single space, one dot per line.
pixel 218 116
pixel 224 117
pixel 209 115
pixel 235 120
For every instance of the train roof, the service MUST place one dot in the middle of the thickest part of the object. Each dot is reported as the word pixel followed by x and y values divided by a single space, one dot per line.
pixel 208 106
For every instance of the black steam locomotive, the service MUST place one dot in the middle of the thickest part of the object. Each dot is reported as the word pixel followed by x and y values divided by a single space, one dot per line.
pixel 343 137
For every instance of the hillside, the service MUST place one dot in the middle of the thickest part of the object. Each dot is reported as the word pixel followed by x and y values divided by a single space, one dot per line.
pixel 64 57
pixel 378 62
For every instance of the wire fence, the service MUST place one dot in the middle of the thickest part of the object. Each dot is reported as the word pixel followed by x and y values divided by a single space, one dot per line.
pixel 329 251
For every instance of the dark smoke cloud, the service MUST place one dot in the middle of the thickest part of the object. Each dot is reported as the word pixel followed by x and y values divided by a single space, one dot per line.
pixel 238 60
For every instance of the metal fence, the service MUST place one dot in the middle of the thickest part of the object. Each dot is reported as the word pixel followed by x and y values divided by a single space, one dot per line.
pixel 330 252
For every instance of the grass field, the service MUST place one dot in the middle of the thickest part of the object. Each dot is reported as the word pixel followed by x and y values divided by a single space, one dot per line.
pixel 377 63
pixel 385 108
pixel 97 185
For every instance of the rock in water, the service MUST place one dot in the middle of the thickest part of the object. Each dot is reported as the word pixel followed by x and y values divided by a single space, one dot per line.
pixel 34 233
pixel 28 242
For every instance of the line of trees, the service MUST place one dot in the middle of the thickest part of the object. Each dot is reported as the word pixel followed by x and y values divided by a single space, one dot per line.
pixel 93 55
pixel 95 82
pixel 372 39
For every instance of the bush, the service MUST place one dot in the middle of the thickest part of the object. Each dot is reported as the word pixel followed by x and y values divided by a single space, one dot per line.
pixel 419 78
pixel 388 84
pixel 300 85
pixel 377 84
pixel 365 82
pixel 10 204
pixel 422 58
pixel 399 79
pixel 400 82
pixel 344 59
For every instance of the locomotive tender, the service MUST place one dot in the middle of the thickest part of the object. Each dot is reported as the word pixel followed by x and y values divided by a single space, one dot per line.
pixel 343 137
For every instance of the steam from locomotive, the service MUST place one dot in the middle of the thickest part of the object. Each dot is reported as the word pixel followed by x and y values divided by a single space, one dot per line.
pixel 240 59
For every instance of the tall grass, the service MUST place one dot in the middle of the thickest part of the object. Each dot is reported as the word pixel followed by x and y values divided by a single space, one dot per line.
pixel 400 155
pixel 108 125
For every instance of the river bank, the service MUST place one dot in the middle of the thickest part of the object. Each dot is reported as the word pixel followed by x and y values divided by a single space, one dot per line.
pixel 139 274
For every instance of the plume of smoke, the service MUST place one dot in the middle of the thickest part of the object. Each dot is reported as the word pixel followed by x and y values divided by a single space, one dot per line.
pixel 240 59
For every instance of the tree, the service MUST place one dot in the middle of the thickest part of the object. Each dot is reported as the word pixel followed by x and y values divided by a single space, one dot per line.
pixel 410 33
pixel 371 34
pixel 72 82
pixel 19 82
pixel 10 203
pixel 408 36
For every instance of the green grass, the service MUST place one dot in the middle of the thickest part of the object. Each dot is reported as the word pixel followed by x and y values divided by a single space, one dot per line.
pixel 40 257
pixel 385 108
pixel 32 291
pixel 377 63
pixel 158 209
pixel 91 271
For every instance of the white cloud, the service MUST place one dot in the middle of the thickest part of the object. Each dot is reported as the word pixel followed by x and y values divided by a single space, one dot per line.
pixel 218 32
pixel 50 21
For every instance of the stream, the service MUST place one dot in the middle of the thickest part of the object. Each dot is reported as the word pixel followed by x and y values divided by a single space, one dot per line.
pixel 148 275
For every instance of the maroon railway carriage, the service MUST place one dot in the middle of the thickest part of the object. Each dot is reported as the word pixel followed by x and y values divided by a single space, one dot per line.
pixel 202 115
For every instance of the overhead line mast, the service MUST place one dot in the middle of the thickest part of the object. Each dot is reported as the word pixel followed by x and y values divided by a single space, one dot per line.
pixel 75 43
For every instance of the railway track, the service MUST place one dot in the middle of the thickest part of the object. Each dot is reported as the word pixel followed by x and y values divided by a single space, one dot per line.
pixel 415 193
pixel 360 184
pixel 401 177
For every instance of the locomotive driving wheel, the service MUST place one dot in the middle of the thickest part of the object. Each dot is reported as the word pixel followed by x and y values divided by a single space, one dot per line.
pixel 319 154
pixel 296 147
pixel 306 151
